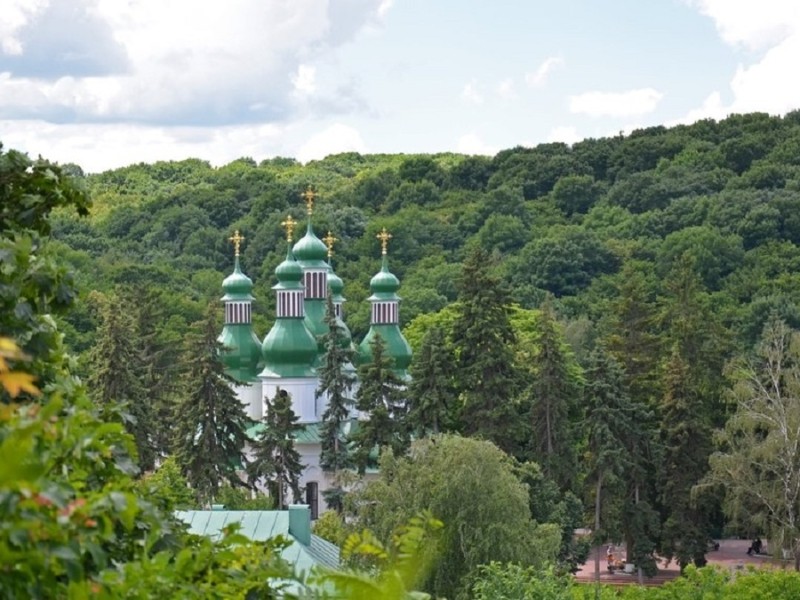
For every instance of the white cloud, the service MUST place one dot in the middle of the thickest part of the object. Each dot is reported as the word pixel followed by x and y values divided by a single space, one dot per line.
pixel 304 80
pixel 505 89
pixel 615 104
pixel 539 77
pixel 15 14
pixel 185 62
pixel 332 140
pixel 769 83
pixel 567 134
pixel 471 94
pixel 471 143
pixel 97 147
pixel 753 24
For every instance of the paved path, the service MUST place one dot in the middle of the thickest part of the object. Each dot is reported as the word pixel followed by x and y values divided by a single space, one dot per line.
pixel 732 554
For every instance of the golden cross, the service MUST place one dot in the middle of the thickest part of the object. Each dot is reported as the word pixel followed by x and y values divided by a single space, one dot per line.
pixel 329 240
pixel 288 225
pixel 309 196
pixel 237 240
pixel 384 236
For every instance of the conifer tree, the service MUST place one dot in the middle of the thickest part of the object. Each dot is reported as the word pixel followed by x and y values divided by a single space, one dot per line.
pixel 115 380
pixel 275 458
pixel 160 356
pixel 211 421
pixel 431 394
pixel 336 383
pixel 382 397
pixel 691 406
pixel 632 337
pixel 612 420
pixel 686 437
pixel 484 342
pixel 553 398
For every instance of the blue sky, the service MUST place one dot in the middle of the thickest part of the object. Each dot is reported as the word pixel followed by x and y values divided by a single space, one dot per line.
pixel 106 83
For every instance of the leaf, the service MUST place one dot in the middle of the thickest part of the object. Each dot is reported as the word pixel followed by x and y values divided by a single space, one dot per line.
pixel 16 381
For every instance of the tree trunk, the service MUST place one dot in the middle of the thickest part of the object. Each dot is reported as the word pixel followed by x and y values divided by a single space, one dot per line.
pixel 638 566
pixel 598 491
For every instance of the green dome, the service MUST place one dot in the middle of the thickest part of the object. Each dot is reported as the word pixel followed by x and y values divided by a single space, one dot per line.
pixel 289 350
pixel 396 346
pixel 335 283
pixel 289 271
pixel 384 282
pixel 237 285
pixel 309 248
pixel 241 352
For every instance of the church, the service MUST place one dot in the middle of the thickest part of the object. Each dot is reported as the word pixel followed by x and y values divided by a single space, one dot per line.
pixel 290 354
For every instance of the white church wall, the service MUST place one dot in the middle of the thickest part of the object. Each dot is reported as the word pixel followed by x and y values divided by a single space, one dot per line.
pixel 251 396
pixel 302 391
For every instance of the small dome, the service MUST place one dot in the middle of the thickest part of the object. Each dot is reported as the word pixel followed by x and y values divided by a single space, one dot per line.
pixel 237 283
pixel 384 281
pixel 310 248
pixel 335 283
pixel 289 271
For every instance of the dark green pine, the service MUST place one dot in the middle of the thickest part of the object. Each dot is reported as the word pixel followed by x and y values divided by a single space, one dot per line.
pixel 381 396
pixel 211 421
pixel 336 382
pixel 484 342
pixel 275 458
pixel 116 375
pixel 552 398
pixel 431 394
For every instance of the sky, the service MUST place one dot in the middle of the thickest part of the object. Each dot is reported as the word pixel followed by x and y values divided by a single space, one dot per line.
pixel 108 83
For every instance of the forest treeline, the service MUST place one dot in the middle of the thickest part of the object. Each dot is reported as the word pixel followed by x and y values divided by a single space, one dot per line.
pixel 602 312
pixel 562 220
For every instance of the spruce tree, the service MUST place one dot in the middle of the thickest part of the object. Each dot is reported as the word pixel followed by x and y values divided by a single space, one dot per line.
pixel 381 396
pixel 690 408
pixel 275 458
pixel 484 342
pixel 160 357
pixel 211 422
pixel 115 380
pixel 553 399
pixel 686 437
pixel 612 421
pixel 336 383
pixel 431 394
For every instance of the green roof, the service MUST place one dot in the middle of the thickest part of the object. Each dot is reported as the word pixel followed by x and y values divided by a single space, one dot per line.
pixel 241 353
pixel 396 346
pixel 237 285
pixel 260 526
pixel 310 250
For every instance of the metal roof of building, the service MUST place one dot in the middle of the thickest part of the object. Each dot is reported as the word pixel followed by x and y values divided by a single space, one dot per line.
pixel 260 526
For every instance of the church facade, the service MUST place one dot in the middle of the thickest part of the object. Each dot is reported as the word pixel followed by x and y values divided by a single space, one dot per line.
pixel 292 351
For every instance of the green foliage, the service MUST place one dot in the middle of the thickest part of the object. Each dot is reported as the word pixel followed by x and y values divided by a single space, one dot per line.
pixel 757 457
pixel 116 374
pixel 550 401
pixel 393 569
pixel 431 394
pixel 381 396
pixel 335 384
pixel 211 422
pixel 509 581
pixel 167 487
pixel 276 461
pixel 331 526
pixel 440 473
pixel 484 340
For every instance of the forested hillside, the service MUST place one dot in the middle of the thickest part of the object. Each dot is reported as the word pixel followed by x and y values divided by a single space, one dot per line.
pixel 618 317
pixel 562 220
